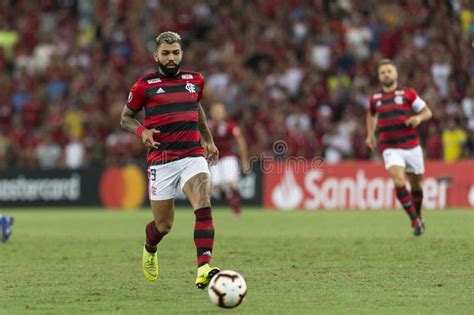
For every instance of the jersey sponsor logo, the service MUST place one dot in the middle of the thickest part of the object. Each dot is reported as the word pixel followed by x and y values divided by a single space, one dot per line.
pixel 191 88
pixel 187 76
pixel 160 90
pixel 377 95
pixel 130 96
pixel 399 92
pixel 398 100
pixel 153 81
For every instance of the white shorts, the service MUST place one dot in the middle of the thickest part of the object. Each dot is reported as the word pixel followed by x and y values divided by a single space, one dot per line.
pixel 410 159
pixel 226 171
pixel 163 180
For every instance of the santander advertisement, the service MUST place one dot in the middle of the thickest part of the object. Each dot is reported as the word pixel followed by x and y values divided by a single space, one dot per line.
pixel 361 185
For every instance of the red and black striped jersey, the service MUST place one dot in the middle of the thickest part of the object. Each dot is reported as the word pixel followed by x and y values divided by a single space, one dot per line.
pixel 393 110
pixel 224 133
pixel 171 106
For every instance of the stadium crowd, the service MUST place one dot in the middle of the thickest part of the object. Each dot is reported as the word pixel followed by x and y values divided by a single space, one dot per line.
pixel 298 71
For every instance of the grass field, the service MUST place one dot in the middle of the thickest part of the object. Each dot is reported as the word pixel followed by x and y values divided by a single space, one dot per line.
pixel 88 262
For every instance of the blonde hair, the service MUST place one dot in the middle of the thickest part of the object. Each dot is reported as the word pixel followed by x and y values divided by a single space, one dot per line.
pixel 168 38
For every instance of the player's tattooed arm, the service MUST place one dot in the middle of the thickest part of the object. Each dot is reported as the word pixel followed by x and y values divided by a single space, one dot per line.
pixel 128 120
pixel 212 153
pixel 131 124
pixel 203 128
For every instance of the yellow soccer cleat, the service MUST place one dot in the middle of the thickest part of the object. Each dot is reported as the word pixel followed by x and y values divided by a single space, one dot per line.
pixel 150 265
pixel 204 275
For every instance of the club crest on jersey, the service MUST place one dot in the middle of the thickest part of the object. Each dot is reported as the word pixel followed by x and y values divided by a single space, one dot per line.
pixel 398 100
pixel 187 76
pixel 191 88
pixel 153 81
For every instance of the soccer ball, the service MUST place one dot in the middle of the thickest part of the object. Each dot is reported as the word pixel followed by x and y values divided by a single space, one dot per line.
pixel 227 289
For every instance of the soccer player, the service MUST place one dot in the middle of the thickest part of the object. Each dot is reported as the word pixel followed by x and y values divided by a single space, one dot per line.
pixel 396 112
pixel 225 175
pixel 176 134
pixel 6 223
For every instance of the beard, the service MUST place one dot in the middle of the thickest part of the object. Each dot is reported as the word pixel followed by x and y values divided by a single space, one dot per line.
pixel 388 83
pixel 169 72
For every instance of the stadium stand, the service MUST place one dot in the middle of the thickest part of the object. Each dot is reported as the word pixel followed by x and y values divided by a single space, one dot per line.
pixel 301 71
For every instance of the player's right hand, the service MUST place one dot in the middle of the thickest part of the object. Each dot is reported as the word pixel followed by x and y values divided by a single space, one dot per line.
pixel 147 138
pixel 371 142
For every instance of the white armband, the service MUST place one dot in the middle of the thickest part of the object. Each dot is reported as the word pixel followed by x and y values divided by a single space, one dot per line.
pixel 418 104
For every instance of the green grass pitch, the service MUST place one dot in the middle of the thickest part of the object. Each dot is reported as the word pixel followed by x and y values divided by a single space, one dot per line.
pixel 324 262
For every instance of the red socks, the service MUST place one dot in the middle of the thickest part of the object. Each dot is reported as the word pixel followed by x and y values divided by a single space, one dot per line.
pixel 233 200
pixel 405 199
pixel 153 237
pixel 417 197
pixel 203 235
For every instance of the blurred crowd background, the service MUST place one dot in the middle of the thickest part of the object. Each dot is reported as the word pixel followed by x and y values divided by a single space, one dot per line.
pixel 298 71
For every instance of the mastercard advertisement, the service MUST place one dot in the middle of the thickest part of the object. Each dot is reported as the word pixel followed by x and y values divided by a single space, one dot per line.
pixel 123 187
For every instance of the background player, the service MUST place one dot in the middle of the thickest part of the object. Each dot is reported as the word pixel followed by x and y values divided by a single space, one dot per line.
pixel 174 125
pixel 225 175
pixel 396 112
pixel 6 223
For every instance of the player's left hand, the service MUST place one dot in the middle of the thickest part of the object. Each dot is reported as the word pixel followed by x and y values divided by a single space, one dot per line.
pixel 212 153
pixel 413 121
pixel 245 167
